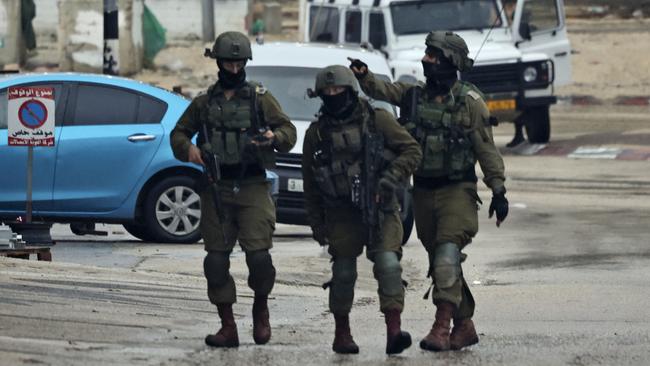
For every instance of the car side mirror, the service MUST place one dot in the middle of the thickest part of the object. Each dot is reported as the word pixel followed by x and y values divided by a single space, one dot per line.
pixel 524 31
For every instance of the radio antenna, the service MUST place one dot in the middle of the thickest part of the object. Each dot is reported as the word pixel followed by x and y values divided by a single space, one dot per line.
pixel 497 20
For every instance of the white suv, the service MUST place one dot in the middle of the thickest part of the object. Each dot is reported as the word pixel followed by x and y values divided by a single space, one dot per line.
pixel 287 70
pixel 524 49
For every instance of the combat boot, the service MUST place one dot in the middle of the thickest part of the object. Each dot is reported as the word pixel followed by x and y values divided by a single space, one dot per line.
pixel 396 339
pixel 463 334
pixel 343 342
pixel 438 337
pixel 261 325
pixel 226 336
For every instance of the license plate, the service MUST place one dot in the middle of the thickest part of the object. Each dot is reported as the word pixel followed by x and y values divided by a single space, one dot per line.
pixel 500 105
pixel 294 185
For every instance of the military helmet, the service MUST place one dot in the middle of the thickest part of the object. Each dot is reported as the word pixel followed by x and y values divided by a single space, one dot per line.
pixel 335 75
pixel 231 46
pixel 453 47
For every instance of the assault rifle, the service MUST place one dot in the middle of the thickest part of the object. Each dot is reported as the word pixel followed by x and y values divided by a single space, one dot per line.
pixel 371 168
pixel 212 171
pixel 248 152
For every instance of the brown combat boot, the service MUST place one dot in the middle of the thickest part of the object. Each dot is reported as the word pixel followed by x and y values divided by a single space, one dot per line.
pixel 261 325
pixel 463 334
pixel 396 339
pixel 343 342
pixel 226 336
pixel 438 337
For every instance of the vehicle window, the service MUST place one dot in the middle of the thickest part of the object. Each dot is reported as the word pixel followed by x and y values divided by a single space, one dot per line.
pixel 377 30
pixel 58 88
pixel 541 15
pixel 415 17
pixel 289 86
pixel 324 23
pixel 150 110
pixel 353 26
pixel 100 105
pixel 3 109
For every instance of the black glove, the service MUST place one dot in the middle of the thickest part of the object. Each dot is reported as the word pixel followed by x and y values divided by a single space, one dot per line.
pixel 499 205
pixel 360 66
pixel 319 233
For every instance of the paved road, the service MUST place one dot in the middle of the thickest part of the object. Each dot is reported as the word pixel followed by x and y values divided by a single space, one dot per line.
pixel 565 281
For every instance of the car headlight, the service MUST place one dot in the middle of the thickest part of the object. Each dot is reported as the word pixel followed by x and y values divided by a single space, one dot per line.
pixel 530 74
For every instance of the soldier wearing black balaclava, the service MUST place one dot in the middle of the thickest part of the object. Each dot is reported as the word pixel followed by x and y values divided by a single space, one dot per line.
pixel 245 126
pixel 450 120
pixel 334 153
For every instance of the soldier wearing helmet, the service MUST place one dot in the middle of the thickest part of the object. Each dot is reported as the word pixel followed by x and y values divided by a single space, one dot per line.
pixel 245 126
pixel 334 154
pixel 451 122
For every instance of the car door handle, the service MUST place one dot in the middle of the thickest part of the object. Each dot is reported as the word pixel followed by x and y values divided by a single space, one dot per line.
pixel 141 137
pixel 561 54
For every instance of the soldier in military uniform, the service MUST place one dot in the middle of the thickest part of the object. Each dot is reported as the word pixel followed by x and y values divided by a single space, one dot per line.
pixel 451 122
pixel 332 159
pixel 245 124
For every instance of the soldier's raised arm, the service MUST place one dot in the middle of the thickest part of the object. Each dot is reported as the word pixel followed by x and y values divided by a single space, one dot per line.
pixel 376 88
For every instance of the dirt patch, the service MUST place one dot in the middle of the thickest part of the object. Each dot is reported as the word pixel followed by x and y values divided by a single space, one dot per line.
pixel 610 58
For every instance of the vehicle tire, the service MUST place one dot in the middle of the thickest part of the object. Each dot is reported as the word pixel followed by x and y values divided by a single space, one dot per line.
pixel 406 215
pixel 172 211
pixel 538 124
pixel 138 230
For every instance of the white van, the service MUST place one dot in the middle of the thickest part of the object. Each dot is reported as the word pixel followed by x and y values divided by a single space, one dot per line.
pixel 520 47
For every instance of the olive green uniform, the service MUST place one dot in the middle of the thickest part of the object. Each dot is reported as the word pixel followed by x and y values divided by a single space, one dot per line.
pixel 248 209
pixel 445 206
pixel 346 233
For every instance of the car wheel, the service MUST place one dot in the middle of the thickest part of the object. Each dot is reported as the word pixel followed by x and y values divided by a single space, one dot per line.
pixel 138 230
pixel 538 124
pixel 172 211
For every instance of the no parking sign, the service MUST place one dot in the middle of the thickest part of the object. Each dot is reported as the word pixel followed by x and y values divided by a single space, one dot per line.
pixel 30 116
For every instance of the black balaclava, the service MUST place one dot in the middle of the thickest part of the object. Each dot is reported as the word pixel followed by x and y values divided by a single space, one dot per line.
pixel 341 105
pixel 440 76
pixel 229 80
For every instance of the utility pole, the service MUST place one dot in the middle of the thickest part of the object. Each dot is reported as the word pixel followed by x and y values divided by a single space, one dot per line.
pixel 111 38
pixel 207 20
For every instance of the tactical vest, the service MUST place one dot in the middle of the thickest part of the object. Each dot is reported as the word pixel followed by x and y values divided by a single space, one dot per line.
pixel 337 161
pixel 442 130
pixel 231 127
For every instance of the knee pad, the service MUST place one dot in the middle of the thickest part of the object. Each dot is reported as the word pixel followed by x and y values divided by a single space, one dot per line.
pixel 388 273
pixel 216 267
pixel 260 262
pixel 446 265
pixel 261 271
pixel 344 273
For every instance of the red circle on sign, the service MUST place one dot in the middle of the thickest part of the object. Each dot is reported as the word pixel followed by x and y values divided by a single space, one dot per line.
pixel 25 108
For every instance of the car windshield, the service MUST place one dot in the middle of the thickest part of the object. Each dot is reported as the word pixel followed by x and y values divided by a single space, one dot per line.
pixel 416 17
pixel 289 86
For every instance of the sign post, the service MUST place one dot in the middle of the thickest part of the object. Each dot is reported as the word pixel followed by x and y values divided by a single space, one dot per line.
pixel 30 118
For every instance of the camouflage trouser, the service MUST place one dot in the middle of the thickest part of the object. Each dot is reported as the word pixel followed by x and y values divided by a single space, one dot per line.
pixel 348 236
pixel 250 220
pixel 448 215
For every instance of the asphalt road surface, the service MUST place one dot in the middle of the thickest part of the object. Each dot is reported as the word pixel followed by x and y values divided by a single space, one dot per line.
pixel 565 280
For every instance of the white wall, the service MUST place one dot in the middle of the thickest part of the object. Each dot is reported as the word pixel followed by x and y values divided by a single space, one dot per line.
pixel 47 16
pixel 181 18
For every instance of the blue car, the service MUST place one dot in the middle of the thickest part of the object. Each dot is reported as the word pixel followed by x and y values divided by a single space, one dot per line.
pixel 111 163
